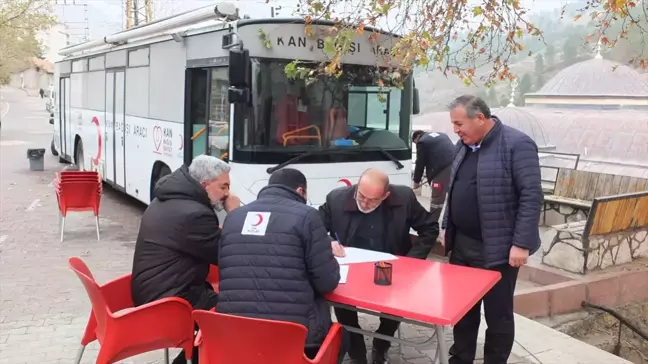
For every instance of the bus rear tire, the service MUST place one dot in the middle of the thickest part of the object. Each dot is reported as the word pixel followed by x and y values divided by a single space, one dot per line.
pixel 78 156
pixel 53 149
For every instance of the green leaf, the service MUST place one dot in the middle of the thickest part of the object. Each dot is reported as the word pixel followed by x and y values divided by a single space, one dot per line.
pixel 477 10
pixel 329 46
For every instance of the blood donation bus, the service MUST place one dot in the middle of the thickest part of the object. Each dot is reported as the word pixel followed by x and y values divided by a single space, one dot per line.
pixel 138 104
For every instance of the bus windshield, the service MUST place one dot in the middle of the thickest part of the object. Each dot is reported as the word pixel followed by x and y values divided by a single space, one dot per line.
pixel 289 117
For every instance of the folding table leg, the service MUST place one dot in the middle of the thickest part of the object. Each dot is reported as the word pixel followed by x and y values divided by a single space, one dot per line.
pixel 79 355
pixel 442 347
pixel 62 228
pixel 97 224
pixel 166 356
pixel 400 346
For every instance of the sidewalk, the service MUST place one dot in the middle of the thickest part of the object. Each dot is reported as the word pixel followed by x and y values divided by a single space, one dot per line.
pixel 538 343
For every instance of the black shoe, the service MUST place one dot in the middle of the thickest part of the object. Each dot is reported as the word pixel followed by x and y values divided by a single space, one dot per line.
pixel 379 357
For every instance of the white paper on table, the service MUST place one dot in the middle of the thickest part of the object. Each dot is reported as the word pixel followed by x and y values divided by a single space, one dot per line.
pixel 355 255
pixel 344 272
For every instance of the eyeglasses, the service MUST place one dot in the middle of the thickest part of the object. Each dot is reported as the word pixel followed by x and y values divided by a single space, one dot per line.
pixel 362 198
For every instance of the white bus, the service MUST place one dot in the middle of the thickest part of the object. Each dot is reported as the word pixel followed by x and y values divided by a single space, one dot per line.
pixel 138 104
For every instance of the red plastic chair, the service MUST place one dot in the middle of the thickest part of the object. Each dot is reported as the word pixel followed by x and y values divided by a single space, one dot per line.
pixel 123 330
pixel 78 191
pixel 227 339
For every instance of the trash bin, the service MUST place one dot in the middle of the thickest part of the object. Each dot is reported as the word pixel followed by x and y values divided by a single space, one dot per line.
pixel 36 159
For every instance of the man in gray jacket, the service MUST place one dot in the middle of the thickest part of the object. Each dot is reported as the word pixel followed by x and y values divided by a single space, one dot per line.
pixel 491 220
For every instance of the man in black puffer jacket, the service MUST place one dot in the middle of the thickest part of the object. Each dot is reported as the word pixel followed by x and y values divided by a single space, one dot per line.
pixel 276 259
pixel 179 234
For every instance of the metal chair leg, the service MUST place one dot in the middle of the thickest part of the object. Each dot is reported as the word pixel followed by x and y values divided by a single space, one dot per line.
pixel 62 228
pixel 400 346
pixel 166 356
pixel 97 224
pixel 79 355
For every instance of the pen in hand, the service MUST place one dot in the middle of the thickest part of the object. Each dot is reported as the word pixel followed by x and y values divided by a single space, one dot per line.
pixel 338 249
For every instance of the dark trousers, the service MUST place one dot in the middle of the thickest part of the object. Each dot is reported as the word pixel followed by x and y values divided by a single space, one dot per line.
pixel 356 347
pixel 206 302
pixel 498 309
pixel 439 187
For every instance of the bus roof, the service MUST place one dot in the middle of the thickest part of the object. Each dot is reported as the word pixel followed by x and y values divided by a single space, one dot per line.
pixel 201 27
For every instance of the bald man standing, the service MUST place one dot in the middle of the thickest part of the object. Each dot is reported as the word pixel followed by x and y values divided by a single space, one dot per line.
pixel 377 215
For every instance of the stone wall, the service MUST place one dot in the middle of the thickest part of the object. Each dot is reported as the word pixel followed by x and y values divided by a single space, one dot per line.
pixel 563 248
pixel 554 213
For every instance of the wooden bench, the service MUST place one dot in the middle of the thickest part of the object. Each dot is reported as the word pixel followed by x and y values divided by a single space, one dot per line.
pixel 614 233
pixel 575 191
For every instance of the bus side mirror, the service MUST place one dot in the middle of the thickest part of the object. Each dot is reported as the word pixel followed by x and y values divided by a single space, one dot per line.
pixel 416 108
pixel 239 75
pixel 239 67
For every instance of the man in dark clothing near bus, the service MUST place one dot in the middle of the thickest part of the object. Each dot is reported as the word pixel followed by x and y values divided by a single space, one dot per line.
pixel 276 260
pixel 494 204
pixel 434 153
pixel 377 215
pixel 179 234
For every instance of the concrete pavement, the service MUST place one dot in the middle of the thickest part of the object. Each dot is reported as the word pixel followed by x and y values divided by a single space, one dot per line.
pixel 43 307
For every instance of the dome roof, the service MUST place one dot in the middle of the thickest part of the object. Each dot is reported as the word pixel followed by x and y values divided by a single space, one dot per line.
pixel 596 77
pixel 523 121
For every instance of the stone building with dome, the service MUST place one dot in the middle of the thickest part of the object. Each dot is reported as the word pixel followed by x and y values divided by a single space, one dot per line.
pixel 593 84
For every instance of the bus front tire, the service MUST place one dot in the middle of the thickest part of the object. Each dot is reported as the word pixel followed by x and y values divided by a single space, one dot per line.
pixel 162 171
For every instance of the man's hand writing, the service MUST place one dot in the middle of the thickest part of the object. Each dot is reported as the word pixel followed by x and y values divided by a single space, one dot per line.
pixel 338 249
pixel 518 256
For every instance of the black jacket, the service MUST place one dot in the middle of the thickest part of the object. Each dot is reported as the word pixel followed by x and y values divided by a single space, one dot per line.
pixel 434 152
pixel 403 211
pixel 282 271
pixel 509 193
pixel 177 241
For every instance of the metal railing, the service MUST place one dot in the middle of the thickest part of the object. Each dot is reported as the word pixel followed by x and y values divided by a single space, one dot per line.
pixel 553 179
pixel 622 322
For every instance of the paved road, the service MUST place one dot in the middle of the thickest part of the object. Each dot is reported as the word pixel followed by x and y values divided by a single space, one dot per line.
pixel 43 307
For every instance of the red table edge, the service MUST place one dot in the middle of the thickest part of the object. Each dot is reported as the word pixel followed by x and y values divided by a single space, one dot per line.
pixel 333 297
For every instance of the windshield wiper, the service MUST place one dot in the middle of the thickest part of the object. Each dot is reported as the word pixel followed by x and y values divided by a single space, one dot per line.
pixel 389 156
pixel 270 170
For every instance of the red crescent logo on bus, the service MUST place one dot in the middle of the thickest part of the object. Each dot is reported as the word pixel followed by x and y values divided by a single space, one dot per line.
pixel 260 217
pixel 345 181
pixel 95 160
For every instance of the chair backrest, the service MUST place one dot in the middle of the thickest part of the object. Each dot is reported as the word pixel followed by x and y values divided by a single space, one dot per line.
pixel 64 175
pixel 79 193
pixel 233 339
pixel 100 309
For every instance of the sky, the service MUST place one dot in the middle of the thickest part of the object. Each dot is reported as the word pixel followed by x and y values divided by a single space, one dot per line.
pixel 106 16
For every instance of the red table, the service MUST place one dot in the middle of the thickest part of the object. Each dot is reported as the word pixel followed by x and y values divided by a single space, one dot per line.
pixel 423 293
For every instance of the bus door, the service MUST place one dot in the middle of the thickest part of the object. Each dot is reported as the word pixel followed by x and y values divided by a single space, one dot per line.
pixel 207 113
pixel 64 83
pixel 115 136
